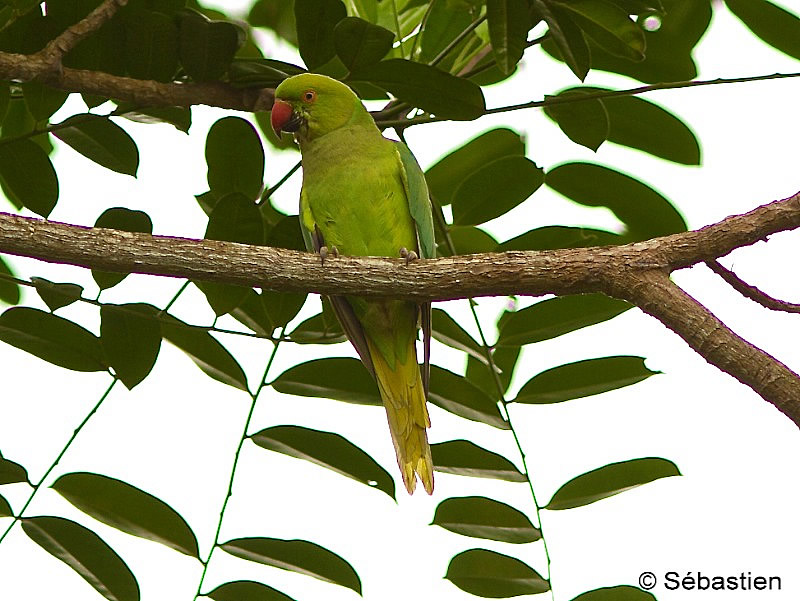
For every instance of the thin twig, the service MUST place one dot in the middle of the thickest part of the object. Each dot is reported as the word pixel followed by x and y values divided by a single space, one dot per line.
pixel 750 291
pixel 457 40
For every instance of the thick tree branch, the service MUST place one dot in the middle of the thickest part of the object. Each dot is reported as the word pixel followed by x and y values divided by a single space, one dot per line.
pixel 638 272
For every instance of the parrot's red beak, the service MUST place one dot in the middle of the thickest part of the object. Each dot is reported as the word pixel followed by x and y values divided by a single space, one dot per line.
pixel 282 117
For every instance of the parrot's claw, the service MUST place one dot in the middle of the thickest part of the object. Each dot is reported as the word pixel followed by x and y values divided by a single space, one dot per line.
pixel 325 252
pixel 408 255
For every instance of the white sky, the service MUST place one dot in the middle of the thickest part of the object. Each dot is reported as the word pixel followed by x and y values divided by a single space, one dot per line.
pixel 174 435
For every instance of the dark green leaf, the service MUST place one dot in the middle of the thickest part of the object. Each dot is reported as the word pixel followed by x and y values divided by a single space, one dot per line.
pixel 426 87
pixel 485 518
pixel 27 176
pixel 559 236
pixel 5 98
pixel 645 212
pixel 446 330
pixel 246 590
pixel 235 158
pixel 467 239
pixel 556 316
pixel 488 574
pixel 42 100
pixel 583 378
pixel 328 450
pixel 316 21
pixel 131 338
pixel 337 378
pixel 9 291
pixel 86 553
pixel 5 508
pixel 318 330
pixel 616 593
pixel 566 38
pixel 11 472
pixel 127 508
pixel 504 359
pixel 585 122
pixel 775 25
pixel 609 26
pixel 297 556
pixel 287 234
pixel 207 353
pixel 206 47
pixel 664 135
pixel 265 312
pixel 56 295
pixel 464 458
pixel 445 21
pixel 458 395
pixel 448 173
pixel 508 31
pixel 611 480
pixel 278 15
pixel 179 117
pixel 100 140
pixel 52 338
pixel 263 72
pixel 479 198
pixel 359 43
pixel 151 45
pixel 127 220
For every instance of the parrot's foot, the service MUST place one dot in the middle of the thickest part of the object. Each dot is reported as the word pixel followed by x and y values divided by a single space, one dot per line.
pixel 408 255
pixel 325 252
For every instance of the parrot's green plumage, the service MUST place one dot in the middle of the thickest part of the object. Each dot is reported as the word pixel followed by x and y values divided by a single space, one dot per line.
pixel 365 195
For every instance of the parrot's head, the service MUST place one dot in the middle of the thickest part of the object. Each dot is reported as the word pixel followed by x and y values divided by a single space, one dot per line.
pixel 311 105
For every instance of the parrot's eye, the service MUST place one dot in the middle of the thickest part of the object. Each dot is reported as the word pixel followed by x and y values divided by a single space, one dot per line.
pixel 309 96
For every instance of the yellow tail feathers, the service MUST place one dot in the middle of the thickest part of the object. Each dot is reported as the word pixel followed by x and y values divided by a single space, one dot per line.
pixel 404 398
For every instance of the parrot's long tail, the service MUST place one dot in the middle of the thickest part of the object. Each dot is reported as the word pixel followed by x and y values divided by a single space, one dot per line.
pixel 404 398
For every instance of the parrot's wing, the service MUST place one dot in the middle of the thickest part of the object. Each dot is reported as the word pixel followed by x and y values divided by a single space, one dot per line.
pixel 419 204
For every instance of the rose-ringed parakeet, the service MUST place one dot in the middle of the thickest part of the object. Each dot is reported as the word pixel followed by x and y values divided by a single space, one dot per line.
pixel 365 195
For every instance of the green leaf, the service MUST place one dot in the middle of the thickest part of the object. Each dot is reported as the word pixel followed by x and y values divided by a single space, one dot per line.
pixel 262 72
pixel 566 38
pixel 467 239
pixel 609 26
pixel 337 378
pixel 56 295
pixel 458 395
pixel 559 236
pixel 86 553
pixel 151 45
pixel 585 122
pixel 557 316
pixel 246 590
pixel 431 89
pixel 446 330
pixel 131 338
pixel 206 47
pixel 298 556
pixel 508 31
pixel 359 43
pixel 100 140
pixel 127 508
pixel 645 212
pixel 42 101
pixel 464 458
pixel 616 593
pixel 52 338
pixel 5 508
pixel 235 158
pixel 265 312
pixel 329 450
pixel 11 471
pixel 665 135
pixel 583 378
pixel 180 117
pixel 127 220
pixel 479 199
pixel 775 25
pixel 488 574
pixel 611 480
pixel 10 291
pixel 480 517
pixel 27 176
pixel 445 20
pixel 205 350
pixel 316 21
pixel 277 15
pixel 318 329
pixel 448 173
pixel 504 359
pixel 5 98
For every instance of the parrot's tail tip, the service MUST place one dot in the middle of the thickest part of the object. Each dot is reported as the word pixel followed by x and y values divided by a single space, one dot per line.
pixel 423 470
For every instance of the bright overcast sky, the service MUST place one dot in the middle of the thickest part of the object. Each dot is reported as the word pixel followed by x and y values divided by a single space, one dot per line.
pixel 734 510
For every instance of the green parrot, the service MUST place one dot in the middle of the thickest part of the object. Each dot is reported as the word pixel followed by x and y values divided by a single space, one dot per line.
pixel 365 195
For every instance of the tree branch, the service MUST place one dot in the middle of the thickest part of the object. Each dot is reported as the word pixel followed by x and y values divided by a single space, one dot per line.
pixel 637 272
pixel 751 292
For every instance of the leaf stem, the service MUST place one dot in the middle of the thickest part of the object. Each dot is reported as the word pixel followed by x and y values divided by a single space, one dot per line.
pixel 270 191
pixel 58 458
pixel 457 40
pixel 397 27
